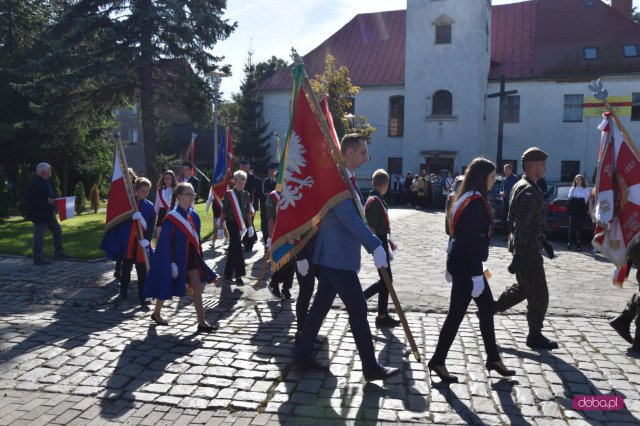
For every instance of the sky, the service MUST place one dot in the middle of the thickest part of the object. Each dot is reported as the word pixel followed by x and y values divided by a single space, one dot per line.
pixel 273 27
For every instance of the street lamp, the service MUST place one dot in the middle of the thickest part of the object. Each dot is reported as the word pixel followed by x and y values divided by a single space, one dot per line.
pixel 216 79
pixel 351 119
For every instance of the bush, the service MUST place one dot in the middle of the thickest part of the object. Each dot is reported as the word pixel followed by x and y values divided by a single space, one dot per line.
pixel 94 196
pixel 55 183
pixel 80 198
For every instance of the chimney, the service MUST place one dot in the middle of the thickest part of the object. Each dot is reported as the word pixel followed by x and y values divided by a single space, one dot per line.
pixel 623 6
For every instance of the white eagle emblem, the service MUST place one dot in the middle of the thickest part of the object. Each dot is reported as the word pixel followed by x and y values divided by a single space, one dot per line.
pixel 294 163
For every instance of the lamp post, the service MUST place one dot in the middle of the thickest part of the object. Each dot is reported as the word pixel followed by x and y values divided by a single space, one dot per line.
pixel 216 79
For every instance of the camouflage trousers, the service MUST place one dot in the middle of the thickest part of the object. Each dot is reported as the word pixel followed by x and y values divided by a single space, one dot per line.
pixel 631 312
pixel 531 285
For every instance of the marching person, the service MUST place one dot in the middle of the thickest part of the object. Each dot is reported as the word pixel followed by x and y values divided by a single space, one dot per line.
pixel 285 274
pixel 236 214
pixel 268 185
pixel 132 177
pixel 526 239
pixel 577 208
pixel 41 211
pixel 471 223
pixel 337 255
pixel 178 260
pixel 252 186
pixel 376 212
pixel 164 194
pixel 306 273
pixel 631 313
pixel 186 176
pixel 509 180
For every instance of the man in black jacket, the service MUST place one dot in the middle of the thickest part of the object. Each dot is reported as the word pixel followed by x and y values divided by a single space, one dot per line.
pixel 41 211
pixel 186 176
pixel 253 187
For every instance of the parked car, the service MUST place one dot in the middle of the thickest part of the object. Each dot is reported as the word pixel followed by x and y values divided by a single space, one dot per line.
pixel 493 197
pixel 556 209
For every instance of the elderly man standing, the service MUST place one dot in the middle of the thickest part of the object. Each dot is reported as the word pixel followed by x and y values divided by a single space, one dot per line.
pixel 41 211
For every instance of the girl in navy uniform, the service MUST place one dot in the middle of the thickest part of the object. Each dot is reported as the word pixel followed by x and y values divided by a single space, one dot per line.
pixel 178 259
pixel 471 223
pixel 164 194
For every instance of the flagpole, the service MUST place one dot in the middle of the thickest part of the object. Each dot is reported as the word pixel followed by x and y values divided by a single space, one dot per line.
pixel 337 156
pixel 130 193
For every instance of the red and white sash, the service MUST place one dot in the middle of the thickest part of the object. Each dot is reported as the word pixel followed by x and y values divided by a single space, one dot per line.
pixel 276 196
pixel 185 226
pixel 165 203
pixel 373 198
pixel 237 212
pixel 461 203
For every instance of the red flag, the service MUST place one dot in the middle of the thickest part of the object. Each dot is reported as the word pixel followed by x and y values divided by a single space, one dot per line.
pixel 618 198
pixel 66 207
pixel 118 205
pixel 224 168
pixel 311 182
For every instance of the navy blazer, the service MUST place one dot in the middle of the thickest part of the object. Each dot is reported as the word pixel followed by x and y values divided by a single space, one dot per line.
pixel 470 244
pixel 38 208
pixel 340 234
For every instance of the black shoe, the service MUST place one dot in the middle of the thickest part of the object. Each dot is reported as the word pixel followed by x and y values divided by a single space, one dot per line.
pixel 286 294
pixel 39 262
pixel 440 371
pixel 381 374
pixel 275 291
pixel 569 246
pixel 500 368
pixel 538 341
pixel 145 302
pixel 206 328
pixel 159 322
pixel 623 327
pixel 228 278
pixel 116 274
pixel 309 364
pixel 636 345
pixel 317 341
pixel 239 281
pixel 578 247
pixel 387 321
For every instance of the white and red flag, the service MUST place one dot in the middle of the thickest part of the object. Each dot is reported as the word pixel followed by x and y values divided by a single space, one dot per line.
pixel 617 212
pixel 66 207
pixel 119 206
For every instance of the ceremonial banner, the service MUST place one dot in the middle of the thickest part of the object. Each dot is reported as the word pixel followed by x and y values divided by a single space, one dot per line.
pixel 617 210
pixel 66 207
pixel 594 107
pixel 308 179
pixel 119 206
pixel 223 172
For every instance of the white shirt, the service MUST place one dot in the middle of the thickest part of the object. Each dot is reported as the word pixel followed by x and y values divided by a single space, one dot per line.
pixel 580 192
pixel 166 194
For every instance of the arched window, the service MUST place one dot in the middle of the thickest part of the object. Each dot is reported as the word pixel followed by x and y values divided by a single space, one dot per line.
pixel 442 103
pixel 443 25
pixel 396 116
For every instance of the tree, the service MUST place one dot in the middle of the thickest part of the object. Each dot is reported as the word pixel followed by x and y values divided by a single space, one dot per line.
pixel 251 139
pixel 635 15
pixel 336 84
pixel 106 52
pixel 80 199
pixel 266 69
pixel 94 196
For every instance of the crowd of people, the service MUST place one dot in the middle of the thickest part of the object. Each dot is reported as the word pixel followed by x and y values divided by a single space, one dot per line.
pixel 423 190
pixel 332 258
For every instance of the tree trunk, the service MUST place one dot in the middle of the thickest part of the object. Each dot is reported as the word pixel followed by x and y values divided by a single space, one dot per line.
pixel 146 89
pixel 65 178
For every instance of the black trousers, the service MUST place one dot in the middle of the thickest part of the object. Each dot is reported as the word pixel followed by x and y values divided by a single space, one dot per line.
pixel 379 287
pixel 460 299
pixel 307 286
pixel 235 258
pixel 284 276
pixel 125 276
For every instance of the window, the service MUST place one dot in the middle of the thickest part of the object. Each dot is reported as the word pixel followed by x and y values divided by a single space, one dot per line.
pixel 572 108
pixel 635 106
pixel 590 53
pixel 443 34
pixel 396 116
pixel 511 113
pixel 630 50
pixel 569 170
pixel 394 166
pixel 133 136
pixel 442 103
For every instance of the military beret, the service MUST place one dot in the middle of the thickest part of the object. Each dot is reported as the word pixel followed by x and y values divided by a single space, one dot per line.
pixel 245 162
pixel 534 154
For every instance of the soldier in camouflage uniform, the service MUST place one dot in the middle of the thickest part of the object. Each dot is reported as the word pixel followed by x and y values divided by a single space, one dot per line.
pixel 526 239
pixel 622 323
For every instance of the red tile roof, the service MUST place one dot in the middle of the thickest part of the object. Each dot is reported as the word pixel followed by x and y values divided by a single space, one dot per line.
pixel 531 39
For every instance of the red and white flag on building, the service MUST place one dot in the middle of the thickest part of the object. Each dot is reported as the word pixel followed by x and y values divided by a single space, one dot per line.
pixel 66 207
pixel 617 211
pixel 119 206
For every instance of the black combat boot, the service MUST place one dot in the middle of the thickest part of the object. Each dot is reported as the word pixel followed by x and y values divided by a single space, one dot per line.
pixel 535 340
pixel 636 341
pixel 622 326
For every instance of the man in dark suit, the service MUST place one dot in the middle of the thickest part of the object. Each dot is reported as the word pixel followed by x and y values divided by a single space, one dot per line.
pixel 187 176
pixel 41 211
pixel 336 254
pixel 268 185
pixel 253 187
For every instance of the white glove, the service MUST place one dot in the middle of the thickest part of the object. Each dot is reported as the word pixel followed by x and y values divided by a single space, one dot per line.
pixel 208 205
pixel 144 243
pixel 448 277
pixel 220 233
pixel 269 243
pixel 303 267
pixel 380 258
pixel 391 256
pixel 136 216
pixel 251 232
pixel 174 271
pixel 218 223
pixel 478 286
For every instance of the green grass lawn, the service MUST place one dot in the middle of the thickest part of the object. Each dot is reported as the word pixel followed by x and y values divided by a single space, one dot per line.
pixel 81 235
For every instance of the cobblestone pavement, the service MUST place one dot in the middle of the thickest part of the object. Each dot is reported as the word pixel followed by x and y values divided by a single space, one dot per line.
pixel 70 353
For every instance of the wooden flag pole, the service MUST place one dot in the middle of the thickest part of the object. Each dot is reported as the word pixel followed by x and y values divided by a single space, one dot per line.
pixel 131 195
pixel 263 269
pixel 326 132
